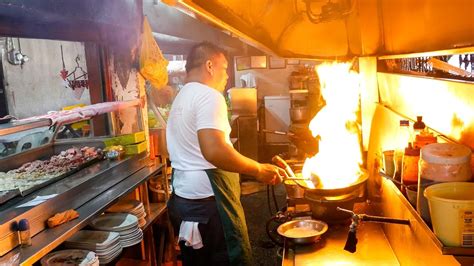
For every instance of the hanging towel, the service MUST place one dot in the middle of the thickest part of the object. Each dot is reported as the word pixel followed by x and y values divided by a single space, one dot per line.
pixel 189 232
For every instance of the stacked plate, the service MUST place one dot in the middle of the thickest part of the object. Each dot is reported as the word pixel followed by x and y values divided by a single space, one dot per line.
pixel 106 245
pixel 71 257
pixel 134 207
pixel 126 225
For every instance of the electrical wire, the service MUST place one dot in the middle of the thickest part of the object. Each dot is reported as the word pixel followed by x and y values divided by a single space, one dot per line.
pixel 274 199
pixel 268 201
pixel 334 15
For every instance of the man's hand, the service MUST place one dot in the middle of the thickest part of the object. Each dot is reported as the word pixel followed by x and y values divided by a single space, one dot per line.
pixel 218 152
pixel 270 174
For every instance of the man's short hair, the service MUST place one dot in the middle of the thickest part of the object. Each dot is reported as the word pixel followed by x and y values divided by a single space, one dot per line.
pixel 200 53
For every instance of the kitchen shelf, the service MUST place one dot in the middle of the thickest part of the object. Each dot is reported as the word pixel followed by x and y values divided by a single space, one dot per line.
pixel 49 239
pixel 156 210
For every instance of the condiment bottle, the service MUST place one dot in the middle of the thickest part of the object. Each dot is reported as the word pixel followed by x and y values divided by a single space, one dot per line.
pixel 410 165
pixel 422 136
pixel 402 143
pixel 24 230
pixel 419 126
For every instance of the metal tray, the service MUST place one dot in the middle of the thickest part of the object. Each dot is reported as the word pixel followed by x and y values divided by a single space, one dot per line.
pixel 10 194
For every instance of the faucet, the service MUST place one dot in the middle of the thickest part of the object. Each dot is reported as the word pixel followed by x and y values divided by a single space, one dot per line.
pixel 351 241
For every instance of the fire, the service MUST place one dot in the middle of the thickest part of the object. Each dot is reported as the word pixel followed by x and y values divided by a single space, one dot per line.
pixel 337 164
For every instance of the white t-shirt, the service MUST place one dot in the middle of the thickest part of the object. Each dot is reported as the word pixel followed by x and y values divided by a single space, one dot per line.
pixel 196 107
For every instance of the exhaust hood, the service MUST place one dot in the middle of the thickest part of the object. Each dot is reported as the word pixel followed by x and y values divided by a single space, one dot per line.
pixel 341 29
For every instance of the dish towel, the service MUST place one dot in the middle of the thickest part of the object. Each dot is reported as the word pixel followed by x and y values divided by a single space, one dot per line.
pixel 189 232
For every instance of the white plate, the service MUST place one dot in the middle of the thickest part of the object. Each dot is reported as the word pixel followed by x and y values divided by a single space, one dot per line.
pixel 110 257
pixel 99 251
pixel 96 239
pixel 125 206
pixel 69 257
pixel 131 236
pixel 107 253
pixel 128 231
pixel 115 222
pixel 132 243
pixel 95 249
pixel 140 215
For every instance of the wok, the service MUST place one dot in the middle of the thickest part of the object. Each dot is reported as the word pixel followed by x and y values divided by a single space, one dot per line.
pixel 319 190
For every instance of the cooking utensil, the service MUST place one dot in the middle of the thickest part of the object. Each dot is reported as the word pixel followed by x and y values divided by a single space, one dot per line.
pixel 296 178
pixel 303 231
pixel 321 191
pixel 411 190
pixel 280 162
pixel 326 208
pixel 299 114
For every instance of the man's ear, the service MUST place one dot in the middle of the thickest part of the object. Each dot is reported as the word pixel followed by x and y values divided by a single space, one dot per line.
pixel 209 66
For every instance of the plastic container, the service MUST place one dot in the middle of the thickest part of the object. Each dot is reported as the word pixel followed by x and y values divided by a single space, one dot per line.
pixel 441 162
pixel 445 162
pixel 388 164
pixel 452 212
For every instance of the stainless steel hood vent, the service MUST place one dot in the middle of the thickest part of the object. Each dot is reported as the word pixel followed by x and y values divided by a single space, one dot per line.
pixel 338 29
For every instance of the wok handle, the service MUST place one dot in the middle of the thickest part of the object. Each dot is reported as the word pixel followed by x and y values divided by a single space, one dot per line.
pixel 370 218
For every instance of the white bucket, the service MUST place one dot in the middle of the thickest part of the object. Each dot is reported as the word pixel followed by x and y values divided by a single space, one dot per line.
pixel 452 212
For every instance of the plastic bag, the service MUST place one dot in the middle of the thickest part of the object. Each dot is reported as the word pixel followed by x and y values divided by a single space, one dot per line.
pixel 152 62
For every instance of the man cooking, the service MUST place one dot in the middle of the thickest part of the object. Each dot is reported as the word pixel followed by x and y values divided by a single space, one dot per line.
pixel 205 204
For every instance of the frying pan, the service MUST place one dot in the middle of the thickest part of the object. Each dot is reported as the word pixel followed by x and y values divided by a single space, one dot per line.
pixel 302 231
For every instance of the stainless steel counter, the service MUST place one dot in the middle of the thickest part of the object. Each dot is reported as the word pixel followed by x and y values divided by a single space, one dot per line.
pixel 89 191
pixel 373 247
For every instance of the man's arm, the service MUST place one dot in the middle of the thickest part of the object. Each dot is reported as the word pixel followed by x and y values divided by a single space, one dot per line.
pixel 219 153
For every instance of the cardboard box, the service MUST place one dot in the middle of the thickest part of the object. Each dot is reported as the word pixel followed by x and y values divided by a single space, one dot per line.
pixel 135 148
pixel 127 139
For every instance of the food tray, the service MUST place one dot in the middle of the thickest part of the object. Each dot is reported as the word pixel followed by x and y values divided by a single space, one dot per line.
pixel 10 194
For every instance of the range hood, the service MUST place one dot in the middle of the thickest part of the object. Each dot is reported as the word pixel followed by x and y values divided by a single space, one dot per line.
pixel 338 29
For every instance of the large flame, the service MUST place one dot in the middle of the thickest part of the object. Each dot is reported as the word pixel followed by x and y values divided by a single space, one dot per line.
pixel 337 164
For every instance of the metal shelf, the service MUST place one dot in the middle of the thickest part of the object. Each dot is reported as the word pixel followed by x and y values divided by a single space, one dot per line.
pixel 156 210
pixel 47 240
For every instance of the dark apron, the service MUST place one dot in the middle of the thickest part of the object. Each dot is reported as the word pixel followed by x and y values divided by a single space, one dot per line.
pixel 226 189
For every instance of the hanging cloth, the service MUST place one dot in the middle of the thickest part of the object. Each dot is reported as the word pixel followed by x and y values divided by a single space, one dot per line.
pixel 152 62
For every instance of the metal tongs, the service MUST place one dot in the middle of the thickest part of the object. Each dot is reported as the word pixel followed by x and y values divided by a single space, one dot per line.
pixel 290 175
pixel 308 183
pixel 351 242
